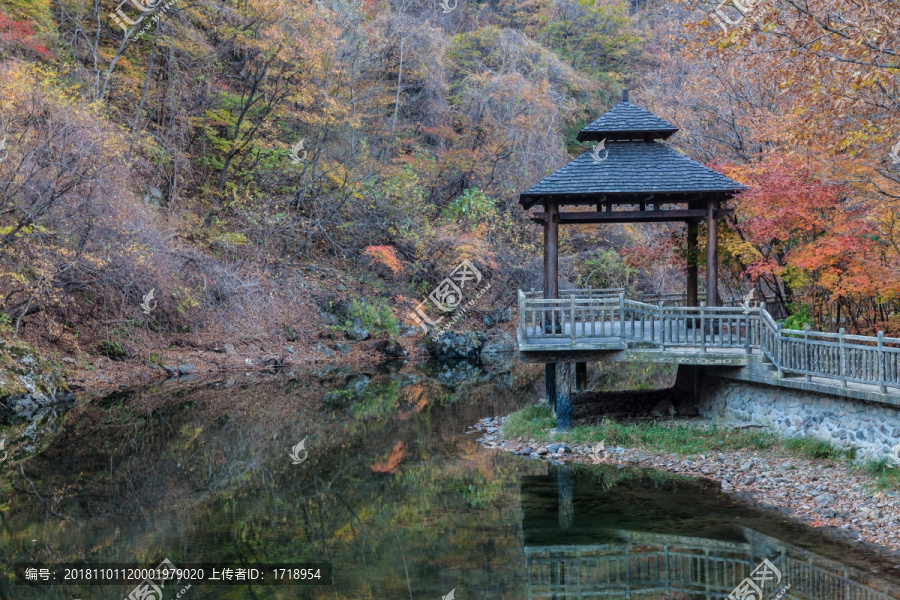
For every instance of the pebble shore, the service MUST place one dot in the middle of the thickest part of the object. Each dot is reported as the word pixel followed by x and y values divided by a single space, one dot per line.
pixel 822 494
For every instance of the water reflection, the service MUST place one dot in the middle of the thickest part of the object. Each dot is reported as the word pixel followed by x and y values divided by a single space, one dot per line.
pixel 392 492
pixel 604 532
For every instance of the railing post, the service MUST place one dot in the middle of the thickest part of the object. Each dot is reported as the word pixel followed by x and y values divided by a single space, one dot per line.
pixel 702 328
pixel 520 296
pixel 622 316
pixel 842 359
pixel 881 361
pixel 572 315
pixel 662 328
pixel 779 359
pixel 806 366
pixel 747 333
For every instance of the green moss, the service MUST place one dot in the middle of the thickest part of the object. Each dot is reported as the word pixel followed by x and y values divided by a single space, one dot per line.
pixel 19 361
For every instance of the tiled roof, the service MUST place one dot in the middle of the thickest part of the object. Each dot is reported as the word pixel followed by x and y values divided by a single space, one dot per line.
pixel 630 168
pixel 627 121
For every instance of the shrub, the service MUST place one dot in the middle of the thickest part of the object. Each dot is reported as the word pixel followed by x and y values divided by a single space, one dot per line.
pixel 112 350
pixel 377 317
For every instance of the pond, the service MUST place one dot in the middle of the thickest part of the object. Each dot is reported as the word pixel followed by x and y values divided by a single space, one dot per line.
pixel 388 489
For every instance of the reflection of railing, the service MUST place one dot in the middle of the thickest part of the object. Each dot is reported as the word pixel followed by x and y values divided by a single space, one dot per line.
pixel 644 564
pixel 626 570
pixel 819 582
pixel 582 319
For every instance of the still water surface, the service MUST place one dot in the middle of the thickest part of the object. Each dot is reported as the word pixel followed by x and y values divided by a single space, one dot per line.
pixel 393 493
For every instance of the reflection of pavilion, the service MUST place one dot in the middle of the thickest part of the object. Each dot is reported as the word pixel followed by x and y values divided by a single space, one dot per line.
pixel 639 564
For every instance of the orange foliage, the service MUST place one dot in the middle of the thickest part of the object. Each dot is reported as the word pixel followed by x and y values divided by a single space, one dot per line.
pixel 386 256
pixel 805 229
pixel 392 464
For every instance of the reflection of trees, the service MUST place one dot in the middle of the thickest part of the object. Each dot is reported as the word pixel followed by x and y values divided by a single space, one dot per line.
pixel 205 477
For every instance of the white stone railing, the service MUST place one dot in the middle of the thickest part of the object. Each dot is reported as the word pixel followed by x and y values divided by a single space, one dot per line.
pixel 596 318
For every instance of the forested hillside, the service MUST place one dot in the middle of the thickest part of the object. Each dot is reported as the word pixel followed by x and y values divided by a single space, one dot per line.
pixel 253 162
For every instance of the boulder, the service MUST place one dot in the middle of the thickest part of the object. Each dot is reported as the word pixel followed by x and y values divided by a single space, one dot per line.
pixel 186 369
pixel 391 348
pixel 501 343
pixel 325 350
pixel 357 332
pixel 451 345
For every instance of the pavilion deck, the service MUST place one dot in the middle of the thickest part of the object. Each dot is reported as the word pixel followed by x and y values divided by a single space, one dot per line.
pixel 594 322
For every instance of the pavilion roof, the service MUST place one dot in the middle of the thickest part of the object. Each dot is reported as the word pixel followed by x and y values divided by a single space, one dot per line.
pixel 629 165
pixel 631 171
pixel 627 121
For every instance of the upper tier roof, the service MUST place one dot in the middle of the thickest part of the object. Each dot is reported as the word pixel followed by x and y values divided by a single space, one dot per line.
pixel 627 121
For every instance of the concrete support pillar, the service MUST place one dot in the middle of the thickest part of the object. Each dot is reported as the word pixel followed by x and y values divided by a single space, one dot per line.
pixel 565 382
pixel 550 383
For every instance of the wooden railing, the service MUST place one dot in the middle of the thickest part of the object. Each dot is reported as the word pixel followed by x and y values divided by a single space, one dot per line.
pixel 596 317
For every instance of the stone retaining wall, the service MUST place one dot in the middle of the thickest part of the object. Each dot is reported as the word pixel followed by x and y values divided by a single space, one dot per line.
pixel 872 429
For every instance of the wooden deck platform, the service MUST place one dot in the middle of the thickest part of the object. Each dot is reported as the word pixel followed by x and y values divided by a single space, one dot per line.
pixel 587 325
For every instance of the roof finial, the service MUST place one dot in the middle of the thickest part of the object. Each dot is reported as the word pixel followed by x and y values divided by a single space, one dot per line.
pixel 624 95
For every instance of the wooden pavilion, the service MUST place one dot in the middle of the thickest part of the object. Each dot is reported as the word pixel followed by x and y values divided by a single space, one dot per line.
pixel 630 176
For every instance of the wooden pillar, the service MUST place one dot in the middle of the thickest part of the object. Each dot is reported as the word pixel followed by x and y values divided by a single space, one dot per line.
pixel 551 291
pixel 551 251
pixel 692 281
pixel 712 260
pixel 580 376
